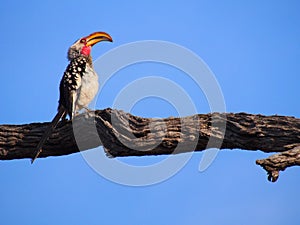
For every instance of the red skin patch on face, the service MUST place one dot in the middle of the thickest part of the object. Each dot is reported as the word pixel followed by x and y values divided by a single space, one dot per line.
pixel 86 50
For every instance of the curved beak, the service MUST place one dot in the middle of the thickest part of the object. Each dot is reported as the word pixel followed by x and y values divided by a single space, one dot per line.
pixel 96 37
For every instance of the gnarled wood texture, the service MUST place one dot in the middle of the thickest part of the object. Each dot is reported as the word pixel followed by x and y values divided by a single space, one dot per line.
pixel 122 134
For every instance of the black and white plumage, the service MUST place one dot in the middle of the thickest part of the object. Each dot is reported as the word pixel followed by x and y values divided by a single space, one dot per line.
pixel 70 85
pixel 79 84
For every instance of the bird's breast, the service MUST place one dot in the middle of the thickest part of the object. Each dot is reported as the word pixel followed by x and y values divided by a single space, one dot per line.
pixel 89 88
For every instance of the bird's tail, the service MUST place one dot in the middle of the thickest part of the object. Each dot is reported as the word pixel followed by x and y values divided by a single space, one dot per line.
pixel 61 112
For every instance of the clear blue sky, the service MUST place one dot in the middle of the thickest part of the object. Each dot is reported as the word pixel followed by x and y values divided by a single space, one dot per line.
pixel 252 47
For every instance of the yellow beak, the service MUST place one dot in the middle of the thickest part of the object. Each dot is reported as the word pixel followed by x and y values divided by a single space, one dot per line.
pixel 96 37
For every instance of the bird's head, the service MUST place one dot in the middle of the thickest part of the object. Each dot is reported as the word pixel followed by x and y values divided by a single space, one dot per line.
pixel 83 46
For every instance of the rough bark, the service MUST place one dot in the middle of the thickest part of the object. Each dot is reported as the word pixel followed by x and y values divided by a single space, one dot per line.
pixel 122 134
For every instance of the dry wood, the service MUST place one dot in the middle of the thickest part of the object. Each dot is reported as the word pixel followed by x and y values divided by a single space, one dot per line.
pixel 122 134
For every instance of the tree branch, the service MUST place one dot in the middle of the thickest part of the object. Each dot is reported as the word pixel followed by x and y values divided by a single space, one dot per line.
pixel 122 134
pixel 279 162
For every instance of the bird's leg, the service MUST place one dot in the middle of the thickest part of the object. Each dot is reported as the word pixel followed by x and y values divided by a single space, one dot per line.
pixel 89 111
pixel 64 118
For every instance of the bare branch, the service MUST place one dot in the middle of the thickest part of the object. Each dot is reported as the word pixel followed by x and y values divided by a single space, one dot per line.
pixel 279 162
pixel 123 134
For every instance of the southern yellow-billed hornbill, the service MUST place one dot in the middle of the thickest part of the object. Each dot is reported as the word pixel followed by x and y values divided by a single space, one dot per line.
pixel 79 84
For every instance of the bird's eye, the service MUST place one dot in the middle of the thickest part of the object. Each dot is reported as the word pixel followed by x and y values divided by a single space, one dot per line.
pixel 83 40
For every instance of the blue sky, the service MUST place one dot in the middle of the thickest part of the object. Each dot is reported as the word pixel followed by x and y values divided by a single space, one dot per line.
pixel 253 49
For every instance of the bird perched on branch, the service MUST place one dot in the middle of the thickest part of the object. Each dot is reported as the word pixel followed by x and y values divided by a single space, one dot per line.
pixel 79 84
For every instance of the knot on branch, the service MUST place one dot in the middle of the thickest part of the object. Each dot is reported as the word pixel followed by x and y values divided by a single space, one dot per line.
pixel 279 162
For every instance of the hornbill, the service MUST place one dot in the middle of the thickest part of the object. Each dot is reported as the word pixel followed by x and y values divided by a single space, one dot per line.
pixel 79 83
